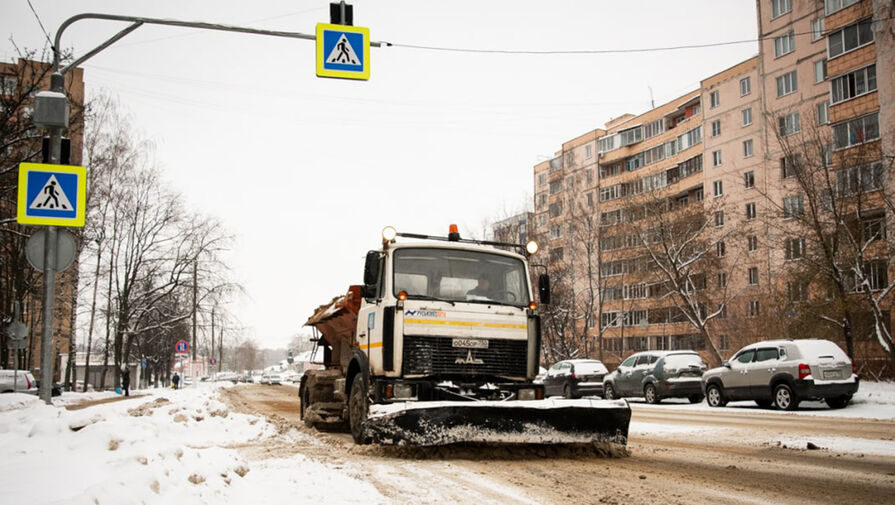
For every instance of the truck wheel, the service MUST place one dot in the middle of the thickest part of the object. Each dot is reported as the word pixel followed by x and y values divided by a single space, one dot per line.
pixel 649 392
pixel 609 392
pixel 784 398
pixel 304 403
pixel 714 397
pixel 357 410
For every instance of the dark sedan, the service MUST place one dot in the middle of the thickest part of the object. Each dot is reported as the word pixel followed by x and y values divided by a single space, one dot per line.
pixel 575 378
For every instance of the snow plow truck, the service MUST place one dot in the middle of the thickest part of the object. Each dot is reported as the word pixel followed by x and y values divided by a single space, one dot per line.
pixel 441 345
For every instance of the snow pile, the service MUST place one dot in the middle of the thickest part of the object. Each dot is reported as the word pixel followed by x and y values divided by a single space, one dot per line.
pixel 166 447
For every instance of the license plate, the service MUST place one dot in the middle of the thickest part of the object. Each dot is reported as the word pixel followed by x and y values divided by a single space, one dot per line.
pixel 832 374
pixel 470 343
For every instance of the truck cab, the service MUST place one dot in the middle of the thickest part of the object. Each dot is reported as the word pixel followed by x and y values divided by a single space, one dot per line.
pixel 441 319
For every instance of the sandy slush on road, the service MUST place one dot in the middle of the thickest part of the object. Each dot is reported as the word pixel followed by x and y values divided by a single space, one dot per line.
pixel 710 458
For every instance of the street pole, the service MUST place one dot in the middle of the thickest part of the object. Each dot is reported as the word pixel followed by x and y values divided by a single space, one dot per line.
pixel 57 85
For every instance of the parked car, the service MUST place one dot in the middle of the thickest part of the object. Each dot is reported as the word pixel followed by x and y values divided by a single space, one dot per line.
pixel 783 373
pixel 275 379
pixel 265 379
pixel 575 378
pixel 656 375
pixel 20 381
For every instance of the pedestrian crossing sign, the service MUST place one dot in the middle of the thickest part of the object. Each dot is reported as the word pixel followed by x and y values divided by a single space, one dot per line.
pixel 343 51
pixel 52 195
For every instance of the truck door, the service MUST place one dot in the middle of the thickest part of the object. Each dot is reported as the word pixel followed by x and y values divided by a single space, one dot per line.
pixel 370 316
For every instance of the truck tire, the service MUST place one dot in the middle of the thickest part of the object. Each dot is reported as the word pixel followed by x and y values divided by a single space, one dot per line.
pixel 304 401
pixel 358 407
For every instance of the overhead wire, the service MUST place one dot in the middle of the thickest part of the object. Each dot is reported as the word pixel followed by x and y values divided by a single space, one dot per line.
pixel 39 22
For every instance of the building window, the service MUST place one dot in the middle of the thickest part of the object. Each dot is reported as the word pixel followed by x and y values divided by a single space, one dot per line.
pixel 722 279
pixel 852 84
pixel 633 163
pixel 542 220
pixel 590 199
pixel 749 179
pixel 716 128
pixel 784 44
pixel 718 187
pixel 723 342
pixel 714 99
pixel 860 179
pixel 849 38
pixel 817 29
pixel 750 211
pixel 719 218
pixel 787 83
pixel 790 164
pixel 794 248
pixel 793 206
pixel 631 136
pixel 542 200
pixel 720 249
pixel 555 187
pixel 823 112
pixel 555 209
pixel 588 151
pixel 752 243
pixel 745 86
pixel 873 228
pixel 780 7
pixel 747 148
pixel 8 85
pixel 831 6
pixel 820 71
pixel 654 128
pixel 856 131
pixel 796 291
pixel 716 158
pixel 789 124
pixel 753 275
pixel 555 232
pixel 747 116
pixel 542 179
pixel 699 194
pixel 753 308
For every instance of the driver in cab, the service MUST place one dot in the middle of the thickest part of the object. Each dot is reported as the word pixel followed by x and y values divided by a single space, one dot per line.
pixel 482 290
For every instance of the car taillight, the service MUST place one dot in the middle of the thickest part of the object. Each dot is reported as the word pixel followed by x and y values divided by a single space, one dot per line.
pixel 574 376
pixel 804 370
pixel 854 369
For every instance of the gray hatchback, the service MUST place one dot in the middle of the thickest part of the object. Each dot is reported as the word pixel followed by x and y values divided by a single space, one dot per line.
pixel 656 375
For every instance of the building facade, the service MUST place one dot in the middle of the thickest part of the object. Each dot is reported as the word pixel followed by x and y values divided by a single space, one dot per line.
pixel 726 157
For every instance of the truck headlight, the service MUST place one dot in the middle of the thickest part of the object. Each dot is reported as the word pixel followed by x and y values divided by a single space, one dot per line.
pixel 526 394
pixel 405 392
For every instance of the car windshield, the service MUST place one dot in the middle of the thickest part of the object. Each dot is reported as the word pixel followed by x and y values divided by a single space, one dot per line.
pixel 683 361
pixel 589 368
pixel 460 276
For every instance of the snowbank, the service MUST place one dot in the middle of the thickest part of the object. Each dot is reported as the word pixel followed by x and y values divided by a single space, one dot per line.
pixel 170 446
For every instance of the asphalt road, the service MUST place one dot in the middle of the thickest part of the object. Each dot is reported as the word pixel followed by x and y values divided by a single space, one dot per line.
pixel 736 456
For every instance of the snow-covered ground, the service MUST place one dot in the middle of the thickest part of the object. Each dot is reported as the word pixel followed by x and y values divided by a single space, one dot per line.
pixel 163 448
pixel 874 400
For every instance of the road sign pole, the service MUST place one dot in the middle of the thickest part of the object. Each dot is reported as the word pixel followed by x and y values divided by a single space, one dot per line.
pixel 57 85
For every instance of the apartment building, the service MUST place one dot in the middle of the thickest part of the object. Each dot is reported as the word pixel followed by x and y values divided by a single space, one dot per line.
pixel 727 149
pixel 19 81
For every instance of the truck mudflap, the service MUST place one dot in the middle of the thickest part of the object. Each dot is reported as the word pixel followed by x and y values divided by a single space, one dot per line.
pixel 495 422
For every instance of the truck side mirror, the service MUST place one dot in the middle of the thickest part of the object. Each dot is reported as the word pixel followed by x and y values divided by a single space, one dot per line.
pixel 371 274
pixel 544 288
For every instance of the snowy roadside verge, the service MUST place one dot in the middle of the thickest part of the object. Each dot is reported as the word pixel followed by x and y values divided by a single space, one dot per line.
pixel 169 446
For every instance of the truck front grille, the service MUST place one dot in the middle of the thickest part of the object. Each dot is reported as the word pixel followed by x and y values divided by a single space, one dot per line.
pixel 436 355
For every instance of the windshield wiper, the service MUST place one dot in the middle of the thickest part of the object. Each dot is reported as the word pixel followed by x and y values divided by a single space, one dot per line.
pixel 434 299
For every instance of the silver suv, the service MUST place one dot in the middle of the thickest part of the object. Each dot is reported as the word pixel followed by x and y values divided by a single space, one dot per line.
pixel 783 373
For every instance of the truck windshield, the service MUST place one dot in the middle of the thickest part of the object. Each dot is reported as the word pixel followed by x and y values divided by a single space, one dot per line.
pixel 460 276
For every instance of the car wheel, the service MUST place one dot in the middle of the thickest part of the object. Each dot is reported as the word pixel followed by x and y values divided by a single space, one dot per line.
pixel 649 392
pixel 764 403
pixel 357 410
pixel 609 392
pixel 838 402
pixel 567 391
pixel 784 398
pixel 714 397
pixel 695 398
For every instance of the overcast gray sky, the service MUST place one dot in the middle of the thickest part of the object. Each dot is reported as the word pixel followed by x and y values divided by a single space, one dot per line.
pixel 305 171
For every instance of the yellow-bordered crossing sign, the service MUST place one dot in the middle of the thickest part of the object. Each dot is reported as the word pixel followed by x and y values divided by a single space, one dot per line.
pixel 52 195
pixel 343 51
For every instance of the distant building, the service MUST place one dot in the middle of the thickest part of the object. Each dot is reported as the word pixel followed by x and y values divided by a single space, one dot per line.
pixel 515 229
